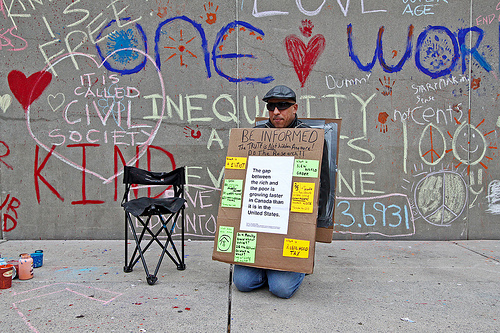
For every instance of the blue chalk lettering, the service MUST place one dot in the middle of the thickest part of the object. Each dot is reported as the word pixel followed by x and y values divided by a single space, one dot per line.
pixel 465 51
pixel 435 56
pixel 216 53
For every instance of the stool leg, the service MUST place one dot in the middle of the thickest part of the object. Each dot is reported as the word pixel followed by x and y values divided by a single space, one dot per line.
pixel 151 280
pixel 133 258
pixel 182 238
pixel 126 268
pixel 138 248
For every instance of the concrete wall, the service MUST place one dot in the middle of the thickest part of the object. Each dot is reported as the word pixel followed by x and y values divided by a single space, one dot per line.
pixel 415 82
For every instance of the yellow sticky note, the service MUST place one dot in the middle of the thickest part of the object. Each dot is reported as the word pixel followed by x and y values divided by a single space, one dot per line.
pixel 236 162
pixel 302 197
pixel 296 248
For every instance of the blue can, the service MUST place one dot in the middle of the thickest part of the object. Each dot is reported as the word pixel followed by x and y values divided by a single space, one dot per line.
pixel 37 258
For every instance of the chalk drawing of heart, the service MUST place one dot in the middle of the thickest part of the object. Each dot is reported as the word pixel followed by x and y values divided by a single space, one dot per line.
pixel 142 147
pixel 5 101
pixel 304 57
pixel 53 101
pixel 27 89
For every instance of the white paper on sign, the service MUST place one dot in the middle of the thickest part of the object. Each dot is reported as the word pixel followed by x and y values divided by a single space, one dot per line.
pixel 267 193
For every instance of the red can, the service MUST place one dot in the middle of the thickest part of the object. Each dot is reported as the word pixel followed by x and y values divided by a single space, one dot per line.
pixel 6 276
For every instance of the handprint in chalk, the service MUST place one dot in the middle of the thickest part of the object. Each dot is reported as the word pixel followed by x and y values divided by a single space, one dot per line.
pixel 386 89
pixel 382 119
pixel 192 133
pixel 211 14
pixel 306 28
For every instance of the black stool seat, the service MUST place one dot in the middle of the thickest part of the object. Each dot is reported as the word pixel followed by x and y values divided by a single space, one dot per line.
pixel 152 206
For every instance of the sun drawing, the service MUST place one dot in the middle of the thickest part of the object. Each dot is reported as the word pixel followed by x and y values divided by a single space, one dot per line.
pixel 181 48
pixel 469 144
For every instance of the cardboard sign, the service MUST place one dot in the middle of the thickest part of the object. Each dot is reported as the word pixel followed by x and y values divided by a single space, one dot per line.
pixel 275 227
pixel 324 231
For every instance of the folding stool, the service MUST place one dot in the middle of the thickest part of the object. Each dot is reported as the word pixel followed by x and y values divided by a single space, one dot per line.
pixel 169 210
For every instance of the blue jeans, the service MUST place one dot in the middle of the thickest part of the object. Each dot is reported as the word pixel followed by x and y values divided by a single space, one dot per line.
pixel 282 284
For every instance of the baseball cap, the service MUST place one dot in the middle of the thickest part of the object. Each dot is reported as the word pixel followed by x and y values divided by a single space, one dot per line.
pixel 280 91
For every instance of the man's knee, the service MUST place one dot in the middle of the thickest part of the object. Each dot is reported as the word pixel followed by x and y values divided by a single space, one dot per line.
pixel 285 284
pixel 248 278
pixel 282 291
pixel 241 283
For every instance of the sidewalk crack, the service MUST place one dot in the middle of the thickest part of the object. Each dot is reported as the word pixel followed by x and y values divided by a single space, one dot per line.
pixel 229 298
pixel 476 252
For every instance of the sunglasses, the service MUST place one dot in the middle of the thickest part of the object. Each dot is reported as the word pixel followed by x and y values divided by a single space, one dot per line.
pixel 280 105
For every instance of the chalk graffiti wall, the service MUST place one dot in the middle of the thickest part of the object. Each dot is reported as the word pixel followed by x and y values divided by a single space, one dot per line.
pixel 91 86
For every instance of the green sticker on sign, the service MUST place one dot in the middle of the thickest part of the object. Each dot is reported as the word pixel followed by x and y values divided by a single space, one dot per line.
pixel 244 250
pixel 231 195
pixel 225 240
pixel 306 168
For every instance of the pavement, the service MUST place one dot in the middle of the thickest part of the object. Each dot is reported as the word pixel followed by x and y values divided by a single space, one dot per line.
pixel 357 286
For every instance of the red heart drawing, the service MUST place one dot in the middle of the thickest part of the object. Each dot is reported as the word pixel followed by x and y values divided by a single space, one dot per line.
pixel 27 90
pixel 304 57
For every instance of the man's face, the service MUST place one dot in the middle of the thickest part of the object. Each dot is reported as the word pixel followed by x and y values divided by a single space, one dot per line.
pixel 282 118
